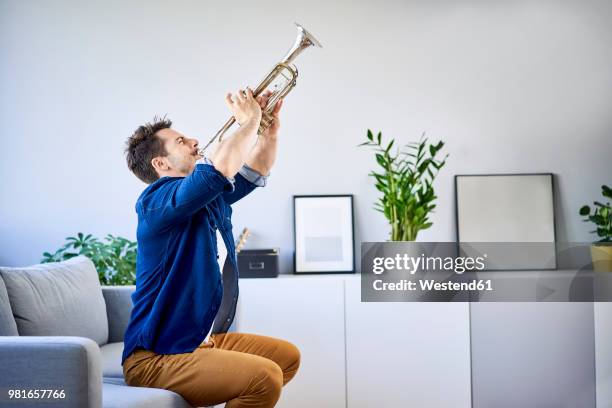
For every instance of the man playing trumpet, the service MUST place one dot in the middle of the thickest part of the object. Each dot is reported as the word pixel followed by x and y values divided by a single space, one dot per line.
pixel 184 214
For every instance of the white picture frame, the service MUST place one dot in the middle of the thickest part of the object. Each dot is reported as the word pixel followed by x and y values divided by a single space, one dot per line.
pixel 323 234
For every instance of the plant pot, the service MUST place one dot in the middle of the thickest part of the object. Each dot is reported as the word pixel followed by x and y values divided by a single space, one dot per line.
pixel 601 256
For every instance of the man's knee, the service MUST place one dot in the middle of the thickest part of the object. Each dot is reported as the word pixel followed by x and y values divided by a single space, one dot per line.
pixel 293 358
pixel 271 380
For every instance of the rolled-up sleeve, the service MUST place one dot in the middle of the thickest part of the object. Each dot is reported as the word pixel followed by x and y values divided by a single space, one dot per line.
pixel 246 180
pixel 253 176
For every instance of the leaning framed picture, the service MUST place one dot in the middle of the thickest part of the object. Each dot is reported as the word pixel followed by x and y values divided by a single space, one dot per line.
pixel 509 217
pixel 323 234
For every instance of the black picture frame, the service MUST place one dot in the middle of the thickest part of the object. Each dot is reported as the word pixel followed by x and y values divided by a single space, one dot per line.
pixel 296 270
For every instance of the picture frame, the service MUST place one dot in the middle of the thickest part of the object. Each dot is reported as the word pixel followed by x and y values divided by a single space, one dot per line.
pixel 323 234
pixel 511 215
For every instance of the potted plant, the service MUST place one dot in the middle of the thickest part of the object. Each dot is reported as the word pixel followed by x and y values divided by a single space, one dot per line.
pixel 601 250
pixel 406 183
pixel 114 258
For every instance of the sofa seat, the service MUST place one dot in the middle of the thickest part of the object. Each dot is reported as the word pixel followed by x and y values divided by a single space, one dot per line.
pixel 115 392
pixel 120 396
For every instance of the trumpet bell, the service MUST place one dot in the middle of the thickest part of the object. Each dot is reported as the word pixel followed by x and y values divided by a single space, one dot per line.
pixel 303 41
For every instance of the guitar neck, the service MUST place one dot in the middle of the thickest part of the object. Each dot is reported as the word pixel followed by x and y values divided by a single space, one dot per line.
pixel 242 239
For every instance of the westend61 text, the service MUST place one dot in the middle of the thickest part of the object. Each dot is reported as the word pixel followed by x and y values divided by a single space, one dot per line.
pixel 428 284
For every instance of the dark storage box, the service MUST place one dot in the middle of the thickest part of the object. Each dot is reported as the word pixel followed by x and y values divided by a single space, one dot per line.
pixel 258 263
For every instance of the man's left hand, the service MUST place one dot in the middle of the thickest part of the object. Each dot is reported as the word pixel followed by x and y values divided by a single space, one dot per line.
pixel 272 131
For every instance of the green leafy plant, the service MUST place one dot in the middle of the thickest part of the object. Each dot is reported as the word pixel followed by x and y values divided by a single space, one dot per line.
pixel 114 258
pixel 406 183
pixel 601 216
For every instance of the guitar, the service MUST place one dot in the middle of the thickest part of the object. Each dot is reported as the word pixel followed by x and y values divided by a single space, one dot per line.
pixel 242 239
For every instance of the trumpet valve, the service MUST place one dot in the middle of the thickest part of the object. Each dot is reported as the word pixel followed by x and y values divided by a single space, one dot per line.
pixel 266 122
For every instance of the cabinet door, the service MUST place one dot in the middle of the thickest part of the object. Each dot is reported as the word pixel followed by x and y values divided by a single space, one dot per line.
pixel 309 312
pixel 533 355
pixel 406 354
pixel 603 353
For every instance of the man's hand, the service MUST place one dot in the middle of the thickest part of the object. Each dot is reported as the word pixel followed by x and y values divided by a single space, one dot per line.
pixel 262 156
pixel 244 106
pixel 272 131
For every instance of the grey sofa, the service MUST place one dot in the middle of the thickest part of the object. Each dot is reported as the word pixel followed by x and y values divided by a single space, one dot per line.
pixel 60 330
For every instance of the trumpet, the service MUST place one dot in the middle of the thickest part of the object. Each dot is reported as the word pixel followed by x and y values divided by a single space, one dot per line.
pixel 285 72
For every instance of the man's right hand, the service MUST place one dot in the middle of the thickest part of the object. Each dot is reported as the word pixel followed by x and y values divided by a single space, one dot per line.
pixel 244 106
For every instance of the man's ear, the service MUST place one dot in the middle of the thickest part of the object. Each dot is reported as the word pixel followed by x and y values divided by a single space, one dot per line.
pixel 160 164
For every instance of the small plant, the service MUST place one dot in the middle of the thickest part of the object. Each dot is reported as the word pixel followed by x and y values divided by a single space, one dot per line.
pixel 406 184
pixel 115 258
pixel 601 216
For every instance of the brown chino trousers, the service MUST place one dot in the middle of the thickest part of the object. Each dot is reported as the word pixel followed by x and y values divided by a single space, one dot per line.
pixel 244 370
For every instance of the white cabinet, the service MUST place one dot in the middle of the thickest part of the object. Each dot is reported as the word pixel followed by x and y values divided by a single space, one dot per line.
pixel 396 354
pixel 309 312
pixel 411 354
pixel 406 354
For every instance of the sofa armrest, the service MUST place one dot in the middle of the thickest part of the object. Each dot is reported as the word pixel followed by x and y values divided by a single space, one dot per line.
pixel 58 363
pixel 118 309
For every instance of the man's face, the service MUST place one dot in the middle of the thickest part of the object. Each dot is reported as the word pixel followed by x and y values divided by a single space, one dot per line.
pixel 182 152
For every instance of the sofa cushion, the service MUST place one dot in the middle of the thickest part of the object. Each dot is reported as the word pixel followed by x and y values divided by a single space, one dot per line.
pixel 58 299
pixel 8 327
pixel 111 360
pixel 121 396
pixel 118 309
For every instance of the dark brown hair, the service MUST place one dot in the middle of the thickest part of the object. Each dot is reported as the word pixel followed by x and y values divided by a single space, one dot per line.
pixel 143 146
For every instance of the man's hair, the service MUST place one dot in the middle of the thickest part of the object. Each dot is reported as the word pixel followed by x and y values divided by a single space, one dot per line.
pixel 143 146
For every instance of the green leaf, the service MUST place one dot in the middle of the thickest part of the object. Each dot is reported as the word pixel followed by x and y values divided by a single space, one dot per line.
pixel 585 210
pixel 432 150
pixel 597 219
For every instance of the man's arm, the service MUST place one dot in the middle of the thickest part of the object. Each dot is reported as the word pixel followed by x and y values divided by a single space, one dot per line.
pixel 184 197
pixel 178 199
pixel 245 182
pixel 263 155
pixel 232 152
pixel 255 171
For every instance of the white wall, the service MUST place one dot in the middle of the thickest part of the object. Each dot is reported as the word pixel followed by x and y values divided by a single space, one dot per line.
pixel 513 86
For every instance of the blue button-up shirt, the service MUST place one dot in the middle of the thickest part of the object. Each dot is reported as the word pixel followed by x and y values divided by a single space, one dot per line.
pixel 179 287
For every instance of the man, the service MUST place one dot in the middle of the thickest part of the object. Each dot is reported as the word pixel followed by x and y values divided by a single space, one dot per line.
pixel 179 287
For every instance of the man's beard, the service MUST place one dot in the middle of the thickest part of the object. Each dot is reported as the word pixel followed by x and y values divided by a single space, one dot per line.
pixel 185 165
